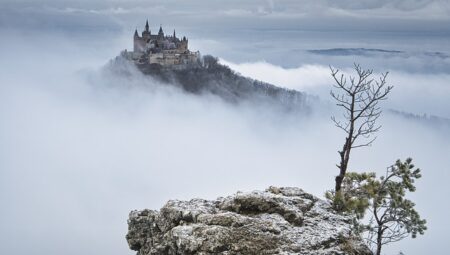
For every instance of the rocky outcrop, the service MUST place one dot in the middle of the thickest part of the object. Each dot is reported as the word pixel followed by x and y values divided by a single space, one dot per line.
pixel 275 221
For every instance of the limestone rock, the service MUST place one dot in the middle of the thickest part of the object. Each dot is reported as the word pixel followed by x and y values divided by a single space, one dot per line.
pixel 275 221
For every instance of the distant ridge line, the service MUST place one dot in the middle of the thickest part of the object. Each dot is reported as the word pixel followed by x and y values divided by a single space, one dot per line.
pixel 371 51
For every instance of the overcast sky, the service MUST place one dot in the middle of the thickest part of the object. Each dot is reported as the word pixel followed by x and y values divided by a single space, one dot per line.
pixel 381 15
pixel 80 147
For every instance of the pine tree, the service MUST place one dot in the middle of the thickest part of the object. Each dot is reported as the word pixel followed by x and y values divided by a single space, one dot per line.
pixel 392 216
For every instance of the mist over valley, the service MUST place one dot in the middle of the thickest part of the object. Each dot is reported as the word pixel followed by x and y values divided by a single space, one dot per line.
pixel 85 137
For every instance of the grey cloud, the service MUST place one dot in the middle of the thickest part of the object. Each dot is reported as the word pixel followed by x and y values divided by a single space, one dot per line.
pixel 432 15
pixel 374 4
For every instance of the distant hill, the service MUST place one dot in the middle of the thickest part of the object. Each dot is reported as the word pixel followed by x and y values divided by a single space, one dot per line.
pixel 209 76
pixel 371 52
pixel 430 120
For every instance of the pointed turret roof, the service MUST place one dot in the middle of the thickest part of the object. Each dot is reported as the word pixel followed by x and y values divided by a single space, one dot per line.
pixel 136 33
pixel 174 36
pixel 160 30
pixel 146 26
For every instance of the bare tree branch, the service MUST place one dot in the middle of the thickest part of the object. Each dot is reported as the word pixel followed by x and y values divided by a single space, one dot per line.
pixel 359 99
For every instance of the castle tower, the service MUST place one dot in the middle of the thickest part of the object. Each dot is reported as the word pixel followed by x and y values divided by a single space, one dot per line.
pixel 146 33
pixel 160 33
pixel 174 36
pixel 136 41
pixel 184 44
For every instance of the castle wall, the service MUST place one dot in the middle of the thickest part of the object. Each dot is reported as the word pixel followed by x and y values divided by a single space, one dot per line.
pixel 139 44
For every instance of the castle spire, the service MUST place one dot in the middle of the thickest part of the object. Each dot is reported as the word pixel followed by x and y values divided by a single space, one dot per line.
pixel 136 33
pixel 174 36
pixel 146 26
pixel 160 30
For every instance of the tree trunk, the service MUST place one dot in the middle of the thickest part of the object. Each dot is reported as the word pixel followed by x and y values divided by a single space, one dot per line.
pixel 345 156
pixel 345 153
pixel 379 244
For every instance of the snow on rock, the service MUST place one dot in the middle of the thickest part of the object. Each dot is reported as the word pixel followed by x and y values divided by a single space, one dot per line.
pixel 274 221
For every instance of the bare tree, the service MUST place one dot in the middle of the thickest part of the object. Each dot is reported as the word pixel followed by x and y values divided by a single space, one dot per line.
pixel 359 98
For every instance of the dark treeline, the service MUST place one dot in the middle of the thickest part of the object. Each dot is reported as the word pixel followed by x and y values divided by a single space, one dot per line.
pixel 209 76
pixel 423 118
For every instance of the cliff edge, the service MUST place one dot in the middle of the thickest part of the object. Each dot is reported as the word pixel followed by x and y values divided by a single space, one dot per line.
pixel 274 221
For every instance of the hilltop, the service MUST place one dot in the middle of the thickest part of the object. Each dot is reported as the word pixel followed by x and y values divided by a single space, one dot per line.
pixel 208 76
pixel 168 59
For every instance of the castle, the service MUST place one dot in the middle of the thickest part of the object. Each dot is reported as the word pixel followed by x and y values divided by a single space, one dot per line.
pixel 164 50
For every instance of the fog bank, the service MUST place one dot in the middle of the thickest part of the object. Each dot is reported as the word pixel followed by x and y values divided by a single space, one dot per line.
pixel 81 147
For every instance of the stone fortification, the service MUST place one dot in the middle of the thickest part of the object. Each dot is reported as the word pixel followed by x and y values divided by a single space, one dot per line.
pixel 160 49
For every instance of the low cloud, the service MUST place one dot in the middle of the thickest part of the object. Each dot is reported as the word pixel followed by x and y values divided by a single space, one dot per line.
pixel 412 92
pixel 80 147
